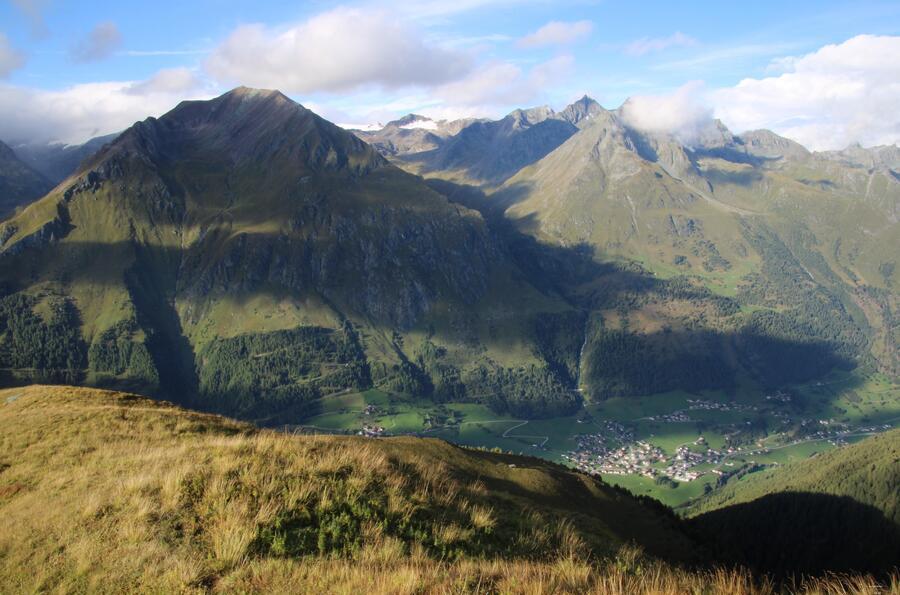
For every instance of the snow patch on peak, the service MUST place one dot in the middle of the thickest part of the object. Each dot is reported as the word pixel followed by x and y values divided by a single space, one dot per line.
pixel 421 124
pixel 363 127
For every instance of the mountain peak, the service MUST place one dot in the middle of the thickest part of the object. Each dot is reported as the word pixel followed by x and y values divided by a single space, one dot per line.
pixel 254 93
pixel 247 125
pixel 530 116
pixel 765 143
pixel 580 110
pixel 408 119
pixel 585 100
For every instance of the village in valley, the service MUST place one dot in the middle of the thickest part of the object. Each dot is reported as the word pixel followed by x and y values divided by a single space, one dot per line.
pixel 650 444
pixel 614 450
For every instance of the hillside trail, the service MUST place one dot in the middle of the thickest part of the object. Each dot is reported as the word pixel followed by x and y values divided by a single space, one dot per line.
pixel 507 434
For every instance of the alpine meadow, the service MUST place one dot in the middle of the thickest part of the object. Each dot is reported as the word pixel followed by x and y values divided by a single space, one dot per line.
pixel 254 339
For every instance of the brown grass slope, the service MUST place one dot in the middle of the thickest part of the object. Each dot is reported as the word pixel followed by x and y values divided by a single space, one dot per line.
pixel 107 488
pixel 110 492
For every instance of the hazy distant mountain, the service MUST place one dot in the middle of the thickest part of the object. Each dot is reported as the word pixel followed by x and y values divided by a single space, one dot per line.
pixel 412 134
pixel 481 152
pixel 488 152
pixel 883 157
pixel 19 183
pixel 581 112
pixel 768 145
pixel 56 161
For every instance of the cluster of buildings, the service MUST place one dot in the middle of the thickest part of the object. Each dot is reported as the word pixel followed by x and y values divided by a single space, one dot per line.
pixel 675 417
pixel 633 458
pixel 779 396
pixel 372 431
pixel 704 405
pixel 595 455
pixel 615 450
pixel 682 466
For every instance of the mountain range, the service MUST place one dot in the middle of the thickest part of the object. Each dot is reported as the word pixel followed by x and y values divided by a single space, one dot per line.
pixel 56 161
pixel 246 257
pixel 243 255
pixel 730 211
pixel 19 183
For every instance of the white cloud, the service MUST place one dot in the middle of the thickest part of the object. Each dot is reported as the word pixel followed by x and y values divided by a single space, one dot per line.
pixel 100 43
pixel 10 59
pixel 646 45
pixel 681 113
pixel 839 94
pixel 557 33
pixel 338 50
pixel 78 113
pixel 504 83
pixel 167 81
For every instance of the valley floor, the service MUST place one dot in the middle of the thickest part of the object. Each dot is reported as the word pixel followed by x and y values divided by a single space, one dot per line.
pixel 674 447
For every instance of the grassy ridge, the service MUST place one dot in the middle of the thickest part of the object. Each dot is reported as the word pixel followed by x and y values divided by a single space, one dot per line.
pixel 104 491
pixel 868 472
pixel 838 510
pixel 186 498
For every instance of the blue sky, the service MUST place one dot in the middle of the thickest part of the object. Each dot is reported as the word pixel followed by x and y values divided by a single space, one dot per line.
pixel 106 64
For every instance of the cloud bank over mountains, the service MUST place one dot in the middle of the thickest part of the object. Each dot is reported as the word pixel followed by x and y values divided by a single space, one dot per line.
pixel 841 94
pixel 78 113
pixel 681 113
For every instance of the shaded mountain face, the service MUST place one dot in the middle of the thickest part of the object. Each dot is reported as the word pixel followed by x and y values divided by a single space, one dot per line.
pixel 56 161
pixel 243 254
pixel 19 183
pixel 793 245
pixel 702 257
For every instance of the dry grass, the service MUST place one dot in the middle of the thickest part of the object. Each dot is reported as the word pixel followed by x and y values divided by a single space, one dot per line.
pixel 102 492
pixel 419 574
